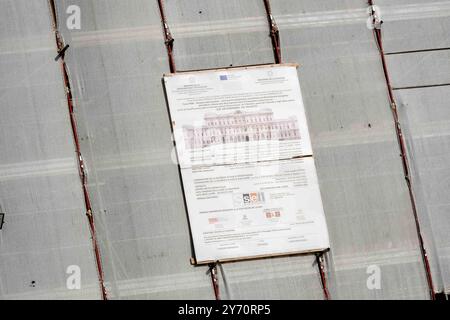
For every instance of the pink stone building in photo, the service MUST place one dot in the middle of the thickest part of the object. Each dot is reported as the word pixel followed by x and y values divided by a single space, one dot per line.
pixel 240 127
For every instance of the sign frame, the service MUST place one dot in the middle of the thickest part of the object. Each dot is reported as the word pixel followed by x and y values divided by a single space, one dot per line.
pixel 193 259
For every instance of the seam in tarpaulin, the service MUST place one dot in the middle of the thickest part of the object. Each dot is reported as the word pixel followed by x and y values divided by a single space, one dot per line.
pixel 416 51
pixel 419 194
pixel 423 86
pixel 401 142
pixel 81 166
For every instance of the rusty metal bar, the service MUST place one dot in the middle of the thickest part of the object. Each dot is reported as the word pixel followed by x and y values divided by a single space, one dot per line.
pixel 168 39
pixel 214 279
pixel 81 166
pixel 403 153
pixel 323 278
pixel 274 32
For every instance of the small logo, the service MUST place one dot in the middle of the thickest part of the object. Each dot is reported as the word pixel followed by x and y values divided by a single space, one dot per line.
pixel 253 198
pixel 273 214
pixel 213 220
pixel 248 199
pixel 223 77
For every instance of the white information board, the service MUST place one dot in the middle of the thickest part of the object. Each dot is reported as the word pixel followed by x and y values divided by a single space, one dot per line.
pixel 246 161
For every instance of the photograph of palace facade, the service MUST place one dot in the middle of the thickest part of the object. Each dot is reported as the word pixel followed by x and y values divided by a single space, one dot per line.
pixel 240 127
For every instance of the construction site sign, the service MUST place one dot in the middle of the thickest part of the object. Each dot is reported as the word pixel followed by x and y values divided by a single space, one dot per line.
pixel 246 162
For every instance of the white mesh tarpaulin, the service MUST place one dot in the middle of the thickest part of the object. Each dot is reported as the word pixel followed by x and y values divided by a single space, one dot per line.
pixel 45 228
pixel 417 44
pixel 116 62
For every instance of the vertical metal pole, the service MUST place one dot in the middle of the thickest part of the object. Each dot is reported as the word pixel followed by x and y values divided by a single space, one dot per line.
pixel 323 278
pixel 168 39
pixel 403 152
pixel 81 167
pixel 274 32
pixel 214 279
